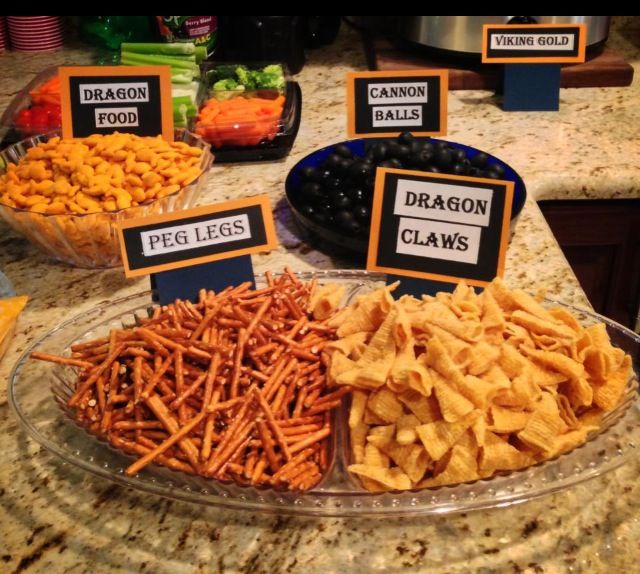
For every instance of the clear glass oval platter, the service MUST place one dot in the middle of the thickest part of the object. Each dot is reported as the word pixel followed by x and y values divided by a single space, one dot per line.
pixel 38 392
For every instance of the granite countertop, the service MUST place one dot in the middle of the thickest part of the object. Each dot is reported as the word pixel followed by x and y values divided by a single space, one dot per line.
pixel 57 518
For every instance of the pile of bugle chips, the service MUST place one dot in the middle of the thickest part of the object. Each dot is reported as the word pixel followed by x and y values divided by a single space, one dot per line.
pixel 459 386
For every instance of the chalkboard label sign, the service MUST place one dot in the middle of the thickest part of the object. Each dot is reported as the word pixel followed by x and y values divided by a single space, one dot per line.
pixel 389 103
pixel 200 235
pixel 106 99
pixel 534 43
pixel 439 227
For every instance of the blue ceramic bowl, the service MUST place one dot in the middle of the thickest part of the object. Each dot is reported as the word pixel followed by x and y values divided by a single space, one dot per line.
pixel 341 242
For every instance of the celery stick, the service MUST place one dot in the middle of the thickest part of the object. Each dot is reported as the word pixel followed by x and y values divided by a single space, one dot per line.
pixel 180 77
pixel 172 49
pixel 181 101
pixel 159 60
pixel 201 53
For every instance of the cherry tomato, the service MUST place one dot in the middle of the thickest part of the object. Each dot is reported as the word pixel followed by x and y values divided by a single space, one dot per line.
pixel 23 119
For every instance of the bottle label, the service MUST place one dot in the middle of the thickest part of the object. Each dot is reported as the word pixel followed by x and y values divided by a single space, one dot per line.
pixel 201 30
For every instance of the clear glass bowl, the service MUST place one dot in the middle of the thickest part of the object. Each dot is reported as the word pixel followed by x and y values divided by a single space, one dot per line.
pixel 90 240
pixel 38 392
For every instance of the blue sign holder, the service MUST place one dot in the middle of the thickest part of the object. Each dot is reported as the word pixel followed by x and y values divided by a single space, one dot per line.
pixel 185 283
pixel 531 88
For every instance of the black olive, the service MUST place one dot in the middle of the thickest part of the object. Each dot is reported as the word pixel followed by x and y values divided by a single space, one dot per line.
pixel 413 160
pixel 337 199
pixel 405 137
pixel 360 170
pixel 442 145
pixel 475 172
pixel 459 169
pixel 428 146
pixel 355 194
pixel 309 173
pixel 425 158
pixel 308 211
pixel 320 217
pixel 333 183
pixel 479 160
pixel 433 169
pixel 379 151
pixel 404 151
pixel 362 213
pixel 332 162
pixel 335 193
pixel 415 146
pixel 328 217
pixel 490 174
pixel 458 155
pixel 497 168
pixel 325 174
pixel 392 149
pixel 342 150
pixel 393 162
pixel 344 166
pixel 369 182
pixel 311 192
pixel 347 223
pixel 443 158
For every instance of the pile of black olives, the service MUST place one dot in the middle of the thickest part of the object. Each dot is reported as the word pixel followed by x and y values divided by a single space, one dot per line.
pixel 338 193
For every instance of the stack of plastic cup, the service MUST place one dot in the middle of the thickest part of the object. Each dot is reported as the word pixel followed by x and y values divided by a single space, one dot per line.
pixel 35 33
pixel 4 38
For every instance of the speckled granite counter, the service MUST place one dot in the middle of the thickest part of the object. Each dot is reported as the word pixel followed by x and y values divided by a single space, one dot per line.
pixel 58 519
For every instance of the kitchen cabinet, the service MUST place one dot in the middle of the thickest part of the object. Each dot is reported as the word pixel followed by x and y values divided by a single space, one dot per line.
pixel 601 241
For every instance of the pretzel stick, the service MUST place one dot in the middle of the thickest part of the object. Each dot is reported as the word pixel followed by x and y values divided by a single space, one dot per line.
pixel 212 373
pixel 95 373
pixel 271 387
pixel 145 460
pixel 225 405
pixel 259 469
pixel 341 392
pixel 205 450
pixel 285 470
pixel 300 429
pixel 169 462
pixel 235 377
pixel 227 437
pixel 273 425
pixel 169 423
pixel 250 463
pixel 267 443
pixel 159 340
pixel 221 456
pixel 132 425
pixel 62 360
pixel 88 345
pixel 297 410
pixel 322 407
pixel 300 421
pixel 311 439
pixel 188 392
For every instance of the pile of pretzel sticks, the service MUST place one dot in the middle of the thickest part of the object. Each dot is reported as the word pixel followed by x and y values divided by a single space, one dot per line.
pixel 232 387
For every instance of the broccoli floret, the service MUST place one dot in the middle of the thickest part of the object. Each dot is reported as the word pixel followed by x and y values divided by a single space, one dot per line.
pixel 226 84
pixel 245 77
pixel 271 80
pixel 275 69
pixel 226 89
